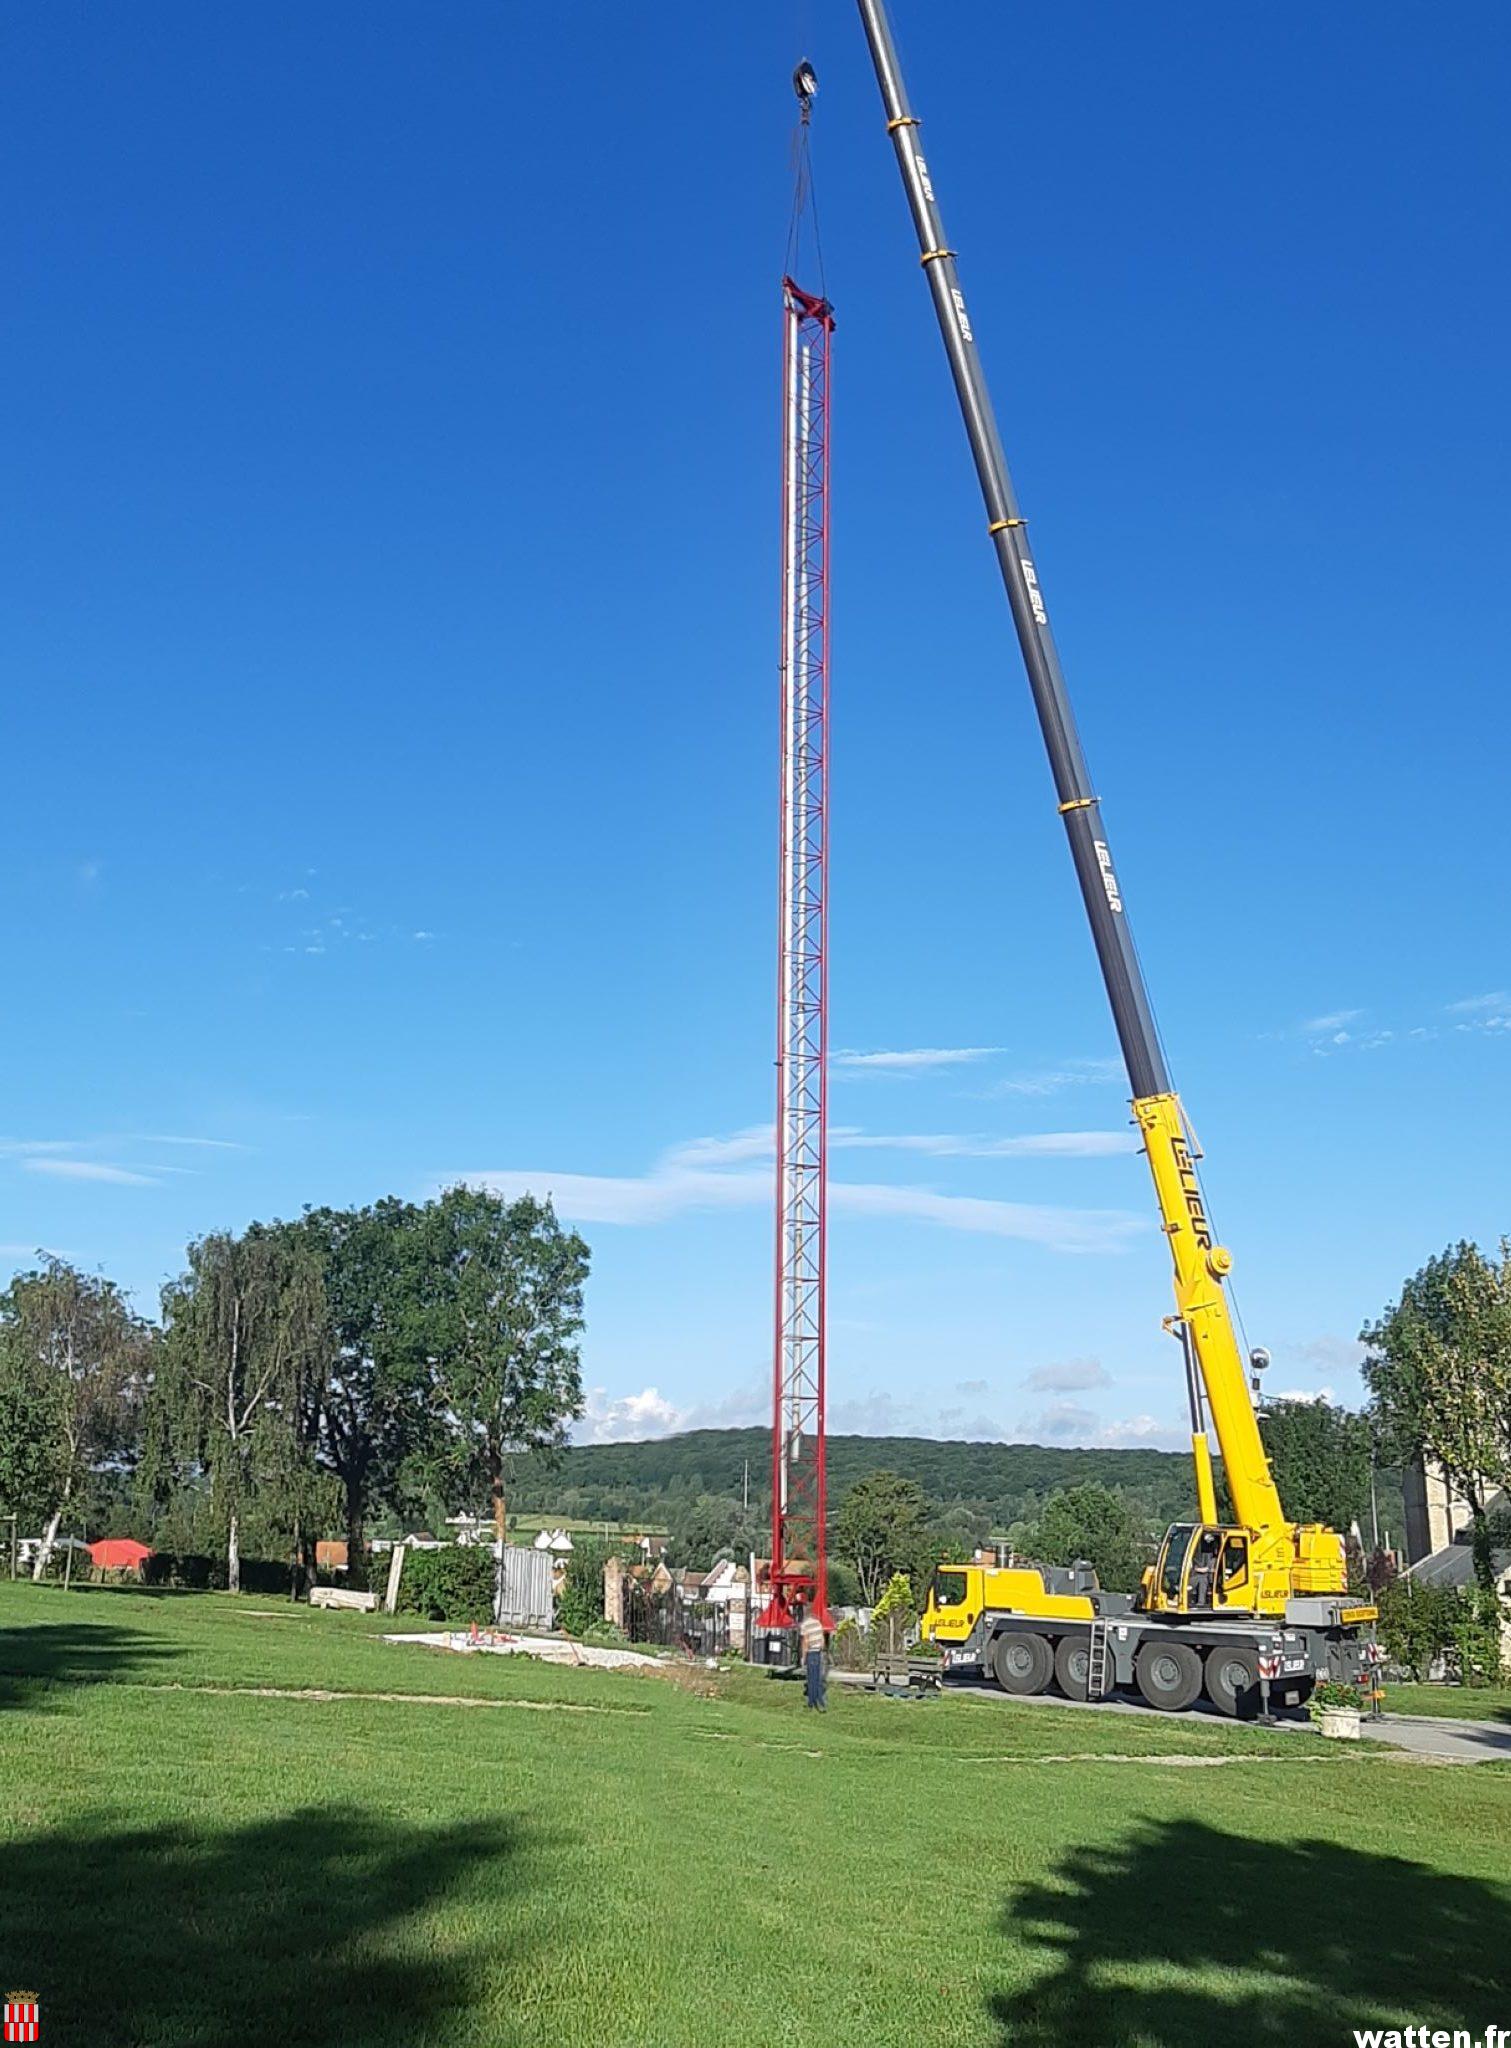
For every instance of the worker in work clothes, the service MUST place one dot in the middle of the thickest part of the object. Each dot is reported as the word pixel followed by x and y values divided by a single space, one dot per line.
pixel 810 1638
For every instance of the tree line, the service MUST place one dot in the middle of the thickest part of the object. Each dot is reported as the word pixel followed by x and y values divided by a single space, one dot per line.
pixel 304 1375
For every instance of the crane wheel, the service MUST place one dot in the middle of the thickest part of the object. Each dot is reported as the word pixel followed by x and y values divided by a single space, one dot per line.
pixel 1232 1682
pixel 1022 1664
pixel 1073 1666
pixel 1169 1675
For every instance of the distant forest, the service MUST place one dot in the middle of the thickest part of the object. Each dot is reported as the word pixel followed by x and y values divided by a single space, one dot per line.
pixel 647 1483
pixel 642 1482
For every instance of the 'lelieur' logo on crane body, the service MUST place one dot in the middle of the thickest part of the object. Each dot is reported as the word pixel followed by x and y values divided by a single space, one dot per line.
pixel 1190 1189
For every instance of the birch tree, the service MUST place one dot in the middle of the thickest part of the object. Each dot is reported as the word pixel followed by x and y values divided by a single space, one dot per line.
pixel 244 1343
pixel 74 1357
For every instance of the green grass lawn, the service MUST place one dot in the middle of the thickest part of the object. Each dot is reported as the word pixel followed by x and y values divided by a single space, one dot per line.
pixel 592 1861
pixel 1455 1702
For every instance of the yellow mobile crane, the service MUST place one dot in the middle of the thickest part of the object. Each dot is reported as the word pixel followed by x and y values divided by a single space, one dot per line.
pixel 1223 1604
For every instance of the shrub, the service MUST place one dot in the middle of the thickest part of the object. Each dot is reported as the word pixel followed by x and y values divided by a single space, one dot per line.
pixel 190 1571
pixel 850 1647
pixel 579 1605
pixel 452 1584
pixel 1474 1652
pixel 895 1618
pixel 1420 1624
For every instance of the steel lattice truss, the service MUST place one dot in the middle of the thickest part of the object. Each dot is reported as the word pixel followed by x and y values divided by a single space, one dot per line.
pixel 797 1537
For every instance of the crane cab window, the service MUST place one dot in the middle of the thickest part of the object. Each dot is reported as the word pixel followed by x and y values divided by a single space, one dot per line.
pixel 1234 1569
pixel 1204 1549
pixel 949 1589
pixel 1173 1564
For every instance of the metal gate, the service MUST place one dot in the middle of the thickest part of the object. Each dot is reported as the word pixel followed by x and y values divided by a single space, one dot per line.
pixel 701 1627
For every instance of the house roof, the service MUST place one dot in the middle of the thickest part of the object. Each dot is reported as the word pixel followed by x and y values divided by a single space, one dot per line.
pixel 1453 1565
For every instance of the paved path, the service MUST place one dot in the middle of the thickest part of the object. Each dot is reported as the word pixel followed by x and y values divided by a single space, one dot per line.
pixel 1445 1741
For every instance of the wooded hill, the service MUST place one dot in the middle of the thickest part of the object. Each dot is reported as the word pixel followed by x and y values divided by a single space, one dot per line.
pixel 639 1482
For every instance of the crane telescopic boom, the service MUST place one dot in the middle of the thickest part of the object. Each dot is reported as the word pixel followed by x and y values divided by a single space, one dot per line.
pixel 1287 1560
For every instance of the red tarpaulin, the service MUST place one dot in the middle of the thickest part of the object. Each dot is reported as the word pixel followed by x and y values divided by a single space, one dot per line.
pixel 119 1553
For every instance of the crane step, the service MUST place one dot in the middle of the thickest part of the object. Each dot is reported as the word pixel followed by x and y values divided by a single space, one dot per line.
pixel 1097 1660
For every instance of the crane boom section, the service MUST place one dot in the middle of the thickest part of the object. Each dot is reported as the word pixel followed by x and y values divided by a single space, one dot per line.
pixel 1200 1264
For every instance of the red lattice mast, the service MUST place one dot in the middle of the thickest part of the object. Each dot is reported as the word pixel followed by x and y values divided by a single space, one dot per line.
pixel 798 1564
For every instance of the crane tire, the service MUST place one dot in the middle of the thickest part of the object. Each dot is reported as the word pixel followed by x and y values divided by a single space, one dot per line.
pixel 1022 1664
pixel 1169 1675
pixel 1231 1682
pixel 1073 1666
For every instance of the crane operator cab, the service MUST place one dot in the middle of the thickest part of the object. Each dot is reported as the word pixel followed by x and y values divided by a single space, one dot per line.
pixel 1199 1569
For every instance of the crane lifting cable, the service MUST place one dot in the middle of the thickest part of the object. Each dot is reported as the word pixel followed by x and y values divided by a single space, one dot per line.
pixel 804 198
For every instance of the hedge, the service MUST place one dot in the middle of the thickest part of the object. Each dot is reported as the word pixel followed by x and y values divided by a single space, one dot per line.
pixel 190 1572
pixel 453 1584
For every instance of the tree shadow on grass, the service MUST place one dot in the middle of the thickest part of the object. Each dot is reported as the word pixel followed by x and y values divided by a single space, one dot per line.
pixel 296 1930
pixel 39 1661
pixel 1182 1936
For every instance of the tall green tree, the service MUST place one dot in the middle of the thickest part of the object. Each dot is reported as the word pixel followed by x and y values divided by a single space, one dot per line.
pixel 1320 1456
pixel 1093 1523
pixel 504 1285
pixel 244 1346
pixel 1439 1372
pixel 375 1411
pixel 712 1526
pixel 880 1528
pixel 74 1359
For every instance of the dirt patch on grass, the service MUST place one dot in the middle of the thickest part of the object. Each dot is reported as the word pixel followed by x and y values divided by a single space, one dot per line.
pixel 319 1696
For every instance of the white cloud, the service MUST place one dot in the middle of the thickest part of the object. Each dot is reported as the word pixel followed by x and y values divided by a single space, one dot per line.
pixel 1331 1354
pixel 1499 999
pixel 627 1419
pixel 1074 1376
pixel 1030 1145
pixel 1311 1394
pixel 1334 1021
pixel 422 935
pixel 757 1141
pixel 1063 1420
pixel 695 1177
pixel 1143 1432
pixel 1052 1080
pixel 921 1059
pixel 1068 1422
pixel 209 1144
pixel 91 1169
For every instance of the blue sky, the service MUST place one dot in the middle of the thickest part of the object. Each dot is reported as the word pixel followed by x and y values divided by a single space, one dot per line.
pixel 391 556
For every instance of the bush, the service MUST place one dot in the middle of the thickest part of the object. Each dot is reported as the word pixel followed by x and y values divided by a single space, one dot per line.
pixel 190 1571
pixel 1420 1624
pixel 452 1584
pixel 1416 1624
pixel 579 1605
pixel 895 1618
pixel 1474 1653
pixel 850 1647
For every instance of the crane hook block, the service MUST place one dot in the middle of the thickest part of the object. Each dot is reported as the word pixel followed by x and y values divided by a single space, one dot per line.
pixel 805 85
